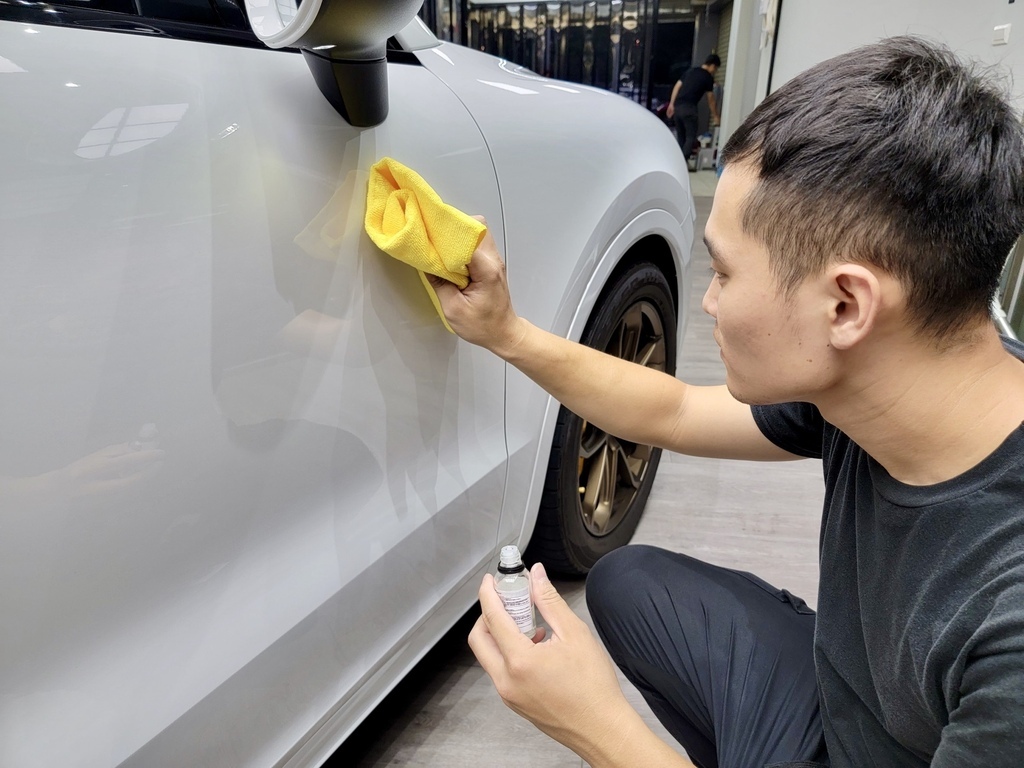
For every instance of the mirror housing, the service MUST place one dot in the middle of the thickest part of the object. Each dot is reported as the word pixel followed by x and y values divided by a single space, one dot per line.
pixel 344 43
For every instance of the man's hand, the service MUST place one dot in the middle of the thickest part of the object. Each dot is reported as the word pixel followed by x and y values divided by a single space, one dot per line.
pixel 482 312
pixel 565 686
pixel 670 112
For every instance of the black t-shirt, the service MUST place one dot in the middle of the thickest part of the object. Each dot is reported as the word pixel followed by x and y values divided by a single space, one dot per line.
pixel 696 82
pixel 919 639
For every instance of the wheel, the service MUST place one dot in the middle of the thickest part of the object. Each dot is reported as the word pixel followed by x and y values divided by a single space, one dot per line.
pixel 597 485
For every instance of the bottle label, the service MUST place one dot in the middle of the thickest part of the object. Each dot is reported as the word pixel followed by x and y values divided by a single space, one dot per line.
pixel 518 605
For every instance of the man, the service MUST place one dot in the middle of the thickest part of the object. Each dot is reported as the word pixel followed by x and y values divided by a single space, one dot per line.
pixel 686 95
pixel 857 237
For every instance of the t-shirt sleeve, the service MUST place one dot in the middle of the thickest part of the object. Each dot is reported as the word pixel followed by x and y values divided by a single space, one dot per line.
pixel 794 427
pixel 986 728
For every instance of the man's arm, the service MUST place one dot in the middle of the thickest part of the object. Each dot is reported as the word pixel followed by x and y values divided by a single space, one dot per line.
pixel 622 398
pixel 639 404
pixel 713 106
pixel 985 727
pixel 672 99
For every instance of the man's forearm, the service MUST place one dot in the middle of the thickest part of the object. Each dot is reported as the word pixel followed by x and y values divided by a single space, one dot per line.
pixel 625 399
pixel 629 743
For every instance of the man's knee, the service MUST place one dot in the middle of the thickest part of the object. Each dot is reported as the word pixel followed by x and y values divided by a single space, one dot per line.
pixel 649 586
pixel 615 585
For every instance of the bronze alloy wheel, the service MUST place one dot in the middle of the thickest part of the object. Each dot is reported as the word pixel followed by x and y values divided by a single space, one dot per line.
pixel 611 471
pixel 597 484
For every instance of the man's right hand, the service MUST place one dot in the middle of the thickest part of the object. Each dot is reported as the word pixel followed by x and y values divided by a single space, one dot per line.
pixel 482 313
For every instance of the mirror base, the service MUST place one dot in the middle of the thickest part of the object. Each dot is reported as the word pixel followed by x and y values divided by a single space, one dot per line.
pixel 357 89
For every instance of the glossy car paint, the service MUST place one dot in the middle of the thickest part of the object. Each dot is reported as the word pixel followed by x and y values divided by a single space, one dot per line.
pixel 329 474
pixel 584 176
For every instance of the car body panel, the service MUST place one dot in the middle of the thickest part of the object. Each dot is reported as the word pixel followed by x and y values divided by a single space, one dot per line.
pixel 593 185
pixel 330 471
pixel 183 246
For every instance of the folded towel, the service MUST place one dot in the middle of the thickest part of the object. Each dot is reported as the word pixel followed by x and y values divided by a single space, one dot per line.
pixel 406 219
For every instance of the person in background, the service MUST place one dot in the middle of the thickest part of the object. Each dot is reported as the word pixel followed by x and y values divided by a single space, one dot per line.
pixel 686 95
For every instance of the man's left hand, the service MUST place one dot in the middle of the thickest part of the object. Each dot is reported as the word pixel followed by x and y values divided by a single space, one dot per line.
pixel 566 685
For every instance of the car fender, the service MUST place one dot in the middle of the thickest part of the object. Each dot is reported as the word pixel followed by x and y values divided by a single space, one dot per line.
pixel 579 169
pixel 606 164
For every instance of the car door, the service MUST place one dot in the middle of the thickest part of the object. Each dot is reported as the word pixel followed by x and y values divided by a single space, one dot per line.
pixel 241 460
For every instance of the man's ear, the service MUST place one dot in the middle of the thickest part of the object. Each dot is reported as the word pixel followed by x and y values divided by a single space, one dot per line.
pixel 855 300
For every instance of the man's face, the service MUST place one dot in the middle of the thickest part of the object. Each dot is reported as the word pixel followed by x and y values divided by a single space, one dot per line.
pixel 774 347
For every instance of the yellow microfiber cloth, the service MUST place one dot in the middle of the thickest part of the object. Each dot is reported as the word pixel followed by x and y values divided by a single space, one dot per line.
pixel 407 219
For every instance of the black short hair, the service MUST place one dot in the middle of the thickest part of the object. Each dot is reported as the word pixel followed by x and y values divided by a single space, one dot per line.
pixel 896 154
pixel 713 59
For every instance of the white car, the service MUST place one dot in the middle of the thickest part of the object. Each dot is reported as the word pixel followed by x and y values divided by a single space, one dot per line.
pixel 247 478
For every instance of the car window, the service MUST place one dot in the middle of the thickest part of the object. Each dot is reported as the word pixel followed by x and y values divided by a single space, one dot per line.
pixel 191 11
pixel 206 12
pixel 218 21
pixel 117 6
pixel 214 21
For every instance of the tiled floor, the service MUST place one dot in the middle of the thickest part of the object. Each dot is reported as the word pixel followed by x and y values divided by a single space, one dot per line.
pixel 759 517
pixel 703 184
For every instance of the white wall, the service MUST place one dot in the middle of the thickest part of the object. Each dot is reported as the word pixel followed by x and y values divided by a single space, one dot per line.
pixel 742 71
pixel 810 31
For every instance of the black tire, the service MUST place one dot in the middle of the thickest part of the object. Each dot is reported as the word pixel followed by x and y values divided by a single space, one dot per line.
pixel 581 521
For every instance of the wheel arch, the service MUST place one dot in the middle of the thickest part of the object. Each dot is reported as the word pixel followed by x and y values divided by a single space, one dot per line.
pixel 652 249
pixel 655 236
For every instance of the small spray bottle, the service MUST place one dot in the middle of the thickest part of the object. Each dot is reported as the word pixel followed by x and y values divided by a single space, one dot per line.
pixel 512 584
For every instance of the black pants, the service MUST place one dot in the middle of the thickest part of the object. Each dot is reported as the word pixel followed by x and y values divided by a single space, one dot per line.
pixel 723 658
pixel 686 130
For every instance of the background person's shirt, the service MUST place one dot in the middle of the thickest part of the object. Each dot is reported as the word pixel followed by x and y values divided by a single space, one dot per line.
pixel 695 83
pixel 919 640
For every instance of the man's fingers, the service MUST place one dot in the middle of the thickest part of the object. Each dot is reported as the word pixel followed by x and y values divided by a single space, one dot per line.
pixel 444 289
pixel 486 650
pixel 448 295
pixel 501 626
pixel 439 283
pixel 486 260
pixel 549 603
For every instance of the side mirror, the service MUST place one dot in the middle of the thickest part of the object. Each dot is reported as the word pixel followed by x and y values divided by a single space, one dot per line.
pixel 344 42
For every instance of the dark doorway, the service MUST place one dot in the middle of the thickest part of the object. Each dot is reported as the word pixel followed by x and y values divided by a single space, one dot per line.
pixel 672 57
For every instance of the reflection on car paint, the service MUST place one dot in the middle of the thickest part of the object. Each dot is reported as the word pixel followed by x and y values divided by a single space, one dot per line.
pixel 126 129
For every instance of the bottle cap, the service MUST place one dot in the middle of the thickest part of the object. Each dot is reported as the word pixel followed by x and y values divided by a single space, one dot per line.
pixel 510 557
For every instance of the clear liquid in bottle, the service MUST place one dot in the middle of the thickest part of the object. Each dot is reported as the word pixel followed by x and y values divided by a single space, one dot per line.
pixel 512 584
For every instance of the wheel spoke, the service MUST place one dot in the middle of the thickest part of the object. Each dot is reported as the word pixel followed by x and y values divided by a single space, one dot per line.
pixel 629 333
pixel 593 441
pixel 594 484
pixel 626 465
pixel 609 480
pixel 632 471
pixel 602 514
pixel 647 354
pixel 639 452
